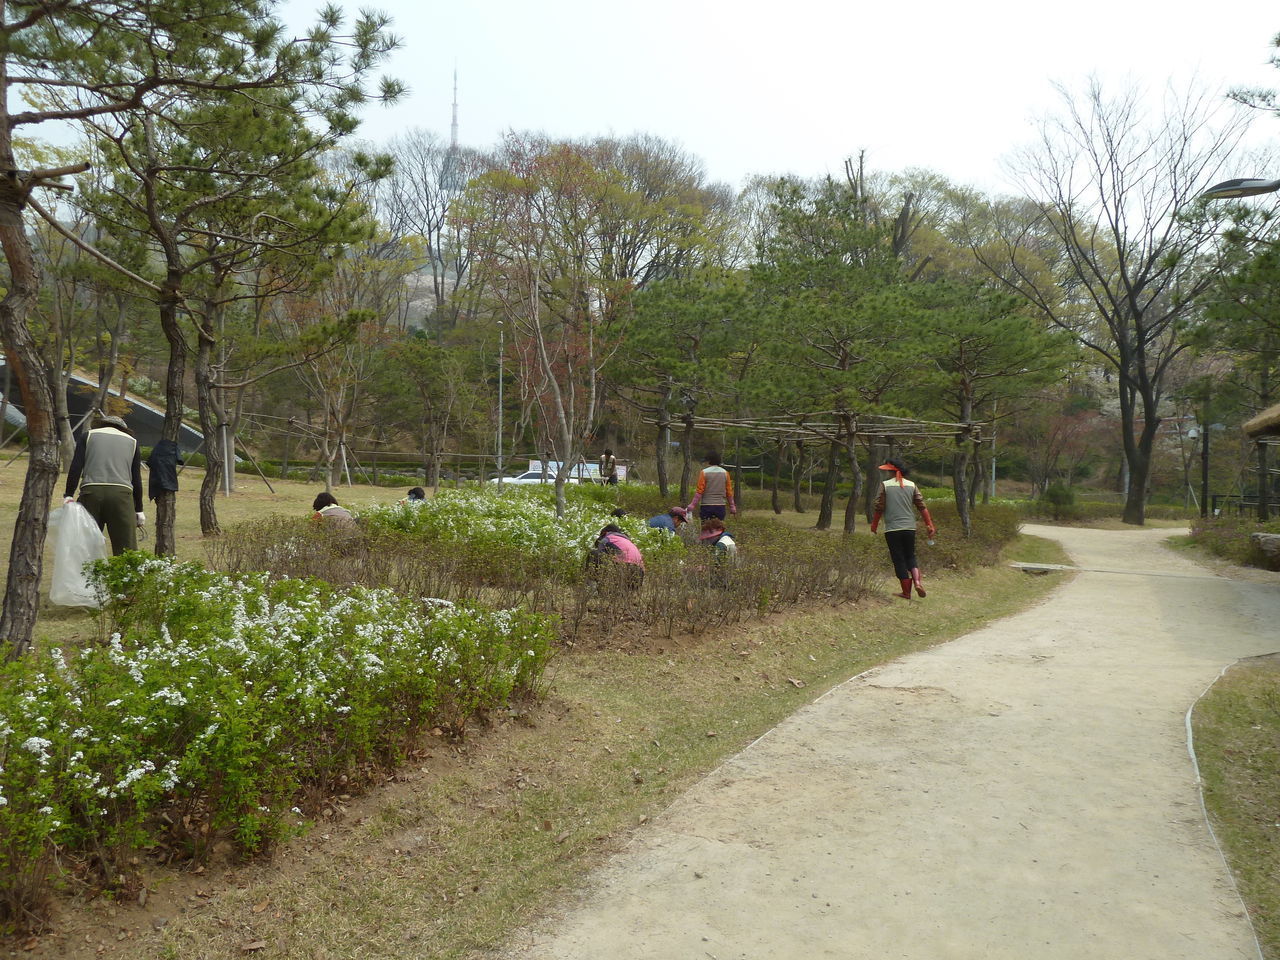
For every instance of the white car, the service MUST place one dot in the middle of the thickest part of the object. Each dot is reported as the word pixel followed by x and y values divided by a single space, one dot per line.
pixel 533 476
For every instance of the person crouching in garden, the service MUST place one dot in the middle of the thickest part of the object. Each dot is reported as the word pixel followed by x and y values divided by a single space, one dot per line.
pixel 671 521
pixel 613 547
pixel 325 507
pixel 897 504
pixel 724 549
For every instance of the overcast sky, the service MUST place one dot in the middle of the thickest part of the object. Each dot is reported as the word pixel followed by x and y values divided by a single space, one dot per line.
pixel 795 86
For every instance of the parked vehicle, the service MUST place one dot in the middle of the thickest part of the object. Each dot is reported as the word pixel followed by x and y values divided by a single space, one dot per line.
pixel 533 476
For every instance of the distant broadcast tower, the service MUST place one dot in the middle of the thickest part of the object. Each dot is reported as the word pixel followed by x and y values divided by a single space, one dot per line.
pixel 453 128
pixel 451 177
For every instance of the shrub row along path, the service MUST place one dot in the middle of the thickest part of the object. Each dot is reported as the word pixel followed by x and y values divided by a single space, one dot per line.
pixel 1023 791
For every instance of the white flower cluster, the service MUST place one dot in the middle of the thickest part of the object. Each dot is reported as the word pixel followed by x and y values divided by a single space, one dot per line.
pixel 232 666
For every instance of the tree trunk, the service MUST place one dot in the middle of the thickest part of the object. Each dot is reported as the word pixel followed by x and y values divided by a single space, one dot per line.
pixel 662 444
pixel 877 452
pixel 35 386
pixel 855 492
pixel 211 420
pixel 174 399
pixel 825 509
pixel 774 500
pixel 974 473
pixel 797 477
pixel 738 486
pixel 855 500
pixel 686 468
pixel 1137 450
pixel 960 469
pixel 959 472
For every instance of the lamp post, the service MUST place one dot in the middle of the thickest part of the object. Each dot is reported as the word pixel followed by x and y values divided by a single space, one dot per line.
pixel 1240 187
pixel 1204 468
pixel 501 355
pixel 1230 190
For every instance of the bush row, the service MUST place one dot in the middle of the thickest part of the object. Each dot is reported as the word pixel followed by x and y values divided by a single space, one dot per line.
pixel 227 708
pixel 1228 537
pixel 1082 511
pixel 510 549
pixel 523 555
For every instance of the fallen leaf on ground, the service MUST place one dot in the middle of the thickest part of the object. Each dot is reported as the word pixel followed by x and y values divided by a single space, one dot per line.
pixel 253 947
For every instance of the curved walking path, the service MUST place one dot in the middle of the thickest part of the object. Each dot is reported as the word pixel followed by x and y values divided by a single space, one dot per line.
pixel 1022 792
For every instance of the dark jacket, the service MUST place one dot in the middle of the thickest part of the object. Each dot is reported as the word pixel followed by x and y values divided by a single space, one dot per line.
pixel 163 465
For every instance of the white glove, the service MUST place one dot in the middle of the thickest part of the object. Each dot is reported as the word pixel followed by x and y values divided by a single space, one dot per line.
pixel 142 519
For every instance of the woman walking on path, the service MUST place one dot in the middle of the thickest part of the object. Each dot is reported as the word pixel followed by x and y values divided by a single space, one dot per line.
pixel 897 503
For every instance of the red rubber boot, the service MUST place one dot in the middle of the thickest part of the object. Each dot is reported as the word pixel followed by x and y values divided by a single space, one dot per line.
pixel 906 590
pixel 915 578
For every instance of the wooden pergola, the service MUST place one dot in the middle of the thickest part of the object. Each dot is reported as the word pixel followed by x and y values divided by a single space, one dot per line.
pixel 833 426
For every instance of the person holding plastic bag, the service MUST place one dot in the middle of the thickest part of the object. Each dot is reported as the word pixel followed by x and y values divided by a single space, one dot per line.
pixel 77 541
pixel 107 468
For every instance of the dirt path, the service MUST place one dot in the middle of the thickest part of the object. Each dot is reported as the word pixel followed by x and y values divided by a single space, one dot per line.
pixel 1024 791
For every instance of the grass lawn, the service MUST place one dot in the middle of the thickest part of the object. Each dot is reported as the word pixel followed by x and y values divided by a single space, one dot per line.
pixel 1237 739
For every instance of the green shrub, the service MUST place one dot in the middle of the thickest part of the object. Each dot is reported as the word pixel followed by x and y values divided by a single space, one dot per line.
pixel 1060 501
pixel 1084 511
pixel 935 493
pixel 994 526
pixel 509 549
pixel 1228 537
pixel 219 704
pixel 509 536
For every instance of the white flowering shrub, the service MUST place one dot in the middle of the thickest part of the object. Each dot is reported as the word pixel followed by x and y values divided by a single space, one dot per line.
pixel 220 701
pixel 515 533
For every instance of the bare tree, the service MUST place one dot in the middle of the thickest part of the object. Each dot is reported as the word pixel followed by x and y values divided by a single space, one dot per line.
pixel 429 175
pixel 1108 248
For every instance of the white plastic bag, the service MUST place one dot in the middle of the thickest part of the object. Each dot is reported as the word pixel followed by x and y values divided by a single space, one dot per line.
pixel 77 541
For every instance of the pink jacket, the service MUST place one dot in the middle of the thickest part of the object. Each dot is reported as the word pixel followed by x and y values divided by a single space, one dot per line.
pixel 628 552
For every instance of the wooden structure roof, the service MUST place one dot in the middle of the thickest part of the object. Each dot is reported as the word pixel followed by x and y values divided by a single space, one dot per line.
pixel 1265 424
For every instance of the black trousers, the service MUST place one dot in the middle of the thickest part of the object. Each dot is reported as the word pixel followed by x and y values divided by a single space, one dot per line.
pixel 902 550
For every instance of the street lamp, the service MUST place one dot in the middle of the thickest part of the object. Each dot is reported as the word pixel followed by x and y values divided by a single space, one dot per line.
pixel 1230 190
pixel 501 354
pixel 1240 187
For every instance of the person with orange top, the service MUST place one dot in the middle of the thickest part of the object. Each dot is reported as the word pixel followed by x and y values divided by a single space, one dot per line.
pixel 897 504
pixel 714 493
